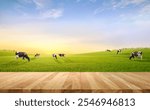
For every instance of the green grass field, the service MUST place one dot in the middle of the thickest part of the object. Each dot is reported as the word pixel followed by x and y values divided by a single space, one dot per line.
pixel 88 62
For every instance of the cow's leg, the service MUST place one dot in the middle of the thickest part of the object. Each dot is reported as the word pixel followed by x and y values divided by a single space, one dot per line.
pixel 141 57
pixel 17 56
pixel 27 58
pixel 132 56
pixel 23 57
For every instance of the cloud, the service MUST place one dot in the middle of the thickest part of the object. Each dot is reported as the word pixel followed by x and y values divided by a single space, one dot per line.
pixel 78 1
pixel 98 10
pixel 53 13
pixel 38 3
pixel 124 3
pixel 145 9
pixel 92 1
pixel 134 1
pixel 114 4
pixel 25 1
pixel 43 11
pixel 89 1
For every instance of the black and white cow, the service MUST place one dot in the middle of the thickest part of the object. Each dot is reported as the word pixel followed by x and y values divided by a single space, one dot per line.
pixel 136 54
pixel 61 55
pixel 54 56
pixel 22 55
pixel 119 51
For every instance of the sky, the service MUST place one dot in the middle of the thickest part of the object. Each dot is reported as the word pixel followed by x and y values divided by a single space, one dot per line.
pixel 74 26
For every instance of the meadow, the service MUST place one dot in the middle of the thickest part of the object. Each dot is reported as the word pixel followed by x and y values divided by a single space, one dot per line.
pixel 101 61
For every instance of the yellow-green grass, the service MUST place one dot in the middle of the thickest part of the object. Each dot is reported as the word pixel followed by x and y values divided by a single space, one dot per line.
pixel 88 62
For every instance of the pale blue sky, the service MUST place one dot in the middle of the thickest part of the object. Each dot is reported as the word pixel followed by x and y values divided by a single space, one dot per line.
pixel 74 25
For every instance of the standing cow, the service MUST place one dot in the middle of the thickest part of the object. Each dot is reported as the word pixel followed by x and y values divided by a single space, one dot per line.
pixel 108 50
pixel 54 56
pixel 37 55
pixel 136 54
pixel 22 55
pixel 118 51
pixel 61 55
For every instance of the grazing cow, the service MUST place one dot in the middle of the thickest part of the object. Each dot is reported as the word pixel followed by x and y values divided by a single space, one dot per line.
pixel 37 55
pixel 54 56
pixel 23 55
pixel 61 55
pixel 118 51
pixel 136 54
pixel 108 50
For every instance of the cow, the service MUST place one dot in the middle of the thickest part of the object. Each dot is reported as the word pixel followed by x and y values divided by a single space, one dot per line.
pixel 61 55
pixel 108 50
pixel 23 55
pixel 54 56
pixel 37 55
pixel 119 51
pixel 136 54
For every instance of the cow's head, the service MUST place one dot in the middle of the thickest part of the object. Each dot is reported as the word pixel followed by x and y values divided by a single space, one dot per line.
pixel 17 55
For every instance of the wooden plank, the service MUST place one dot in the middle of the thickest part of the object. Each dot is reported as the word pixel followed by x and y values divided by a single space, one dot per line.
pixel 74 82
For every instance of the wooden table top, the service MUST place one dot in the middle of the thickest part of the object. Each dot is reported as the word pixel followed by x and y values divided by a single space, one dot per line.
pixel 74 82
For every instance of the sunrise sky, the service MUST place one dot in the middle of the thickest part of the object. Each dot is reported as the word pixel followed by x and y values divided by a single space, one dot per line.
pixel 74 26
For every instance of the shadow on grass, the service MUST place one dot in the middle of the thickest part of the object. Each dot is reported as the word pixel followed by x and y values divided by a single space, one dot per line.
pixel 139 60
pixel 33 58
pixel 67 60
pixel 57 61
pixel 144 60
pixel 14 63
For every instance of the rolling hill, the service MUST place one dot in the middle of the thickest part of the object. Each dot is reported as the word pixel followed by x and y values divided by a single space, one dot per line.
pixel 88 62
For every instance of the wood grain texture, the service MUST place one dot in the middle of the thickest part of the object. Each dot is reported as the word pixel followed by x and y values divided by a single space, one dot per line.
pixel 74 82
